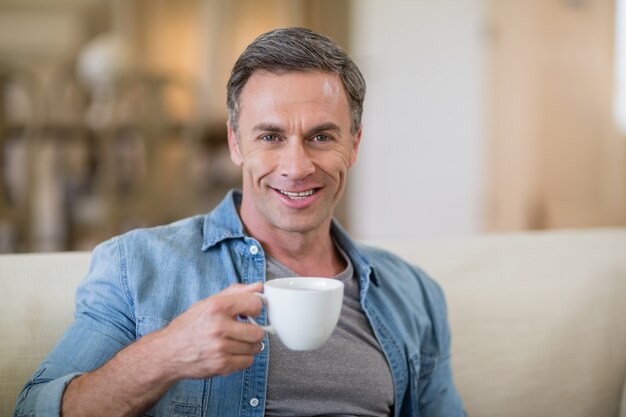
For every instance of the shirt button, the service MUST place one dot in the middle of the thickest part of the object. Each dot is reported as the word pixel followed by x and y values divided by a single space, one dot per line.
pixel 254 250
pixel 254 402
pixel 262 346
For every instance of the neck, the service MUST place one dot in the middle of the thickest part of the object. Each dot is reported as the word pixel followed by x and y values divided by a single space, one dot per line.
pixel 307 256
pixel 311 253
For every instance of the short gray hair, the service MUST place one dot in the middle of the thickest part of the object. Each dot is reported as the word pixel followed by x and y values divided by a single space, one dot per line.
pixel 295 49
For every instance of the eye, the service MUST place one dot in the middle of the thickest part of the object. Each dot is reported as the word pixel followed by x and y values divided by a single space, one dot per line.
pixel 320 138
pixel 269 138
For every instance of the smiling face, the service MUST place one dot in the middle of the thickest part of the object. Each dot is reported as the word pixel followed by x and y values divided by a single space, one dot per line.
pixel 295 147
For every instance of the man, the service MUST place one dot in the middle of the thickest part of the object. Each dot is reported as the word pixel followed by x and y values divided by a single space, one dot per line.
pixel 159 326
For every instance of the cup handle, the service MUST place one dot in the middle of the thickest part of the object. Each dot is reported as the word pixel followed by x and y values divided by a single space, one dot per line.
pixel 269 328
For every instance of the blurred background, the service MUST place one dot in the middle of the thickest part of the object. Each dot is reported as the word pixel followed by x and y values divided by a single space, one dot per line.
pixel 481 115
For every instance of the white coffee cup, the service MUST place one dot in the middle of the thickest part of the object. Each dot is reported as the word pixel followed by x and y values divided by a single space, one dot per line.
pixel 302 311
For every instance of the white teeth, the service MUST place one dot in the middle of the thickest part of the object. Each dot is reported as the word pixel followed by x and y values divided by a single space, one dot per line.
pixel 301 194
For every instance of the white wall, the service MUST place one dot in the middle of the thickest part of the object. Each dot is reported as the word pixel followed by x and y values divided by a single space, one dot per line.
pixel 421 165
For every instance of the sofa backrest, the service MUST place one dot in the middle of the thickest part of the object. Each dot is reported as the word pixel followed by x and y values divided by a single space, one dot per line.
pixel 36 306
pixel 538 319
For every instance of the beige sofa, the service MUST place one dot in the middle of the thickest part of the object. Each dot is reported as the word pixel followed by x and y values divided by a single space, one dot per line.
pixel 538 319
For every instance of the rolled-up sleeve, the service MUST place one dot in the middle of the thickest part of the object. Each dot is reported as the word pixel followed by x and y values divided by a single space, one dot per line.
pixel 104 324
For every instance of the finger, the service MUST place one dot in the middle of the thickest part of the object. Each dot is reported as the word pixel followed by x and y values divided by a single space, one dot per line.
pixel 238 288
pixel 242 304
pixel 236 347
pixel 236 363
pixel 245 332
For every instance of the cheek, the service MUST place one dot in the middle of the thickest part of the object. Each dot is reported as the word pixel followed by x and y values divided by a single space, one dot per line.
pixel 259 164
pixel 335 164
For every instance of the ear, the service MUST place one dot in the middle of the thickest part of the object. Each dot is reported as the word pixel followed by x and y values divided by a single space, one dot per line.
pixel 356 141
pixel 233 146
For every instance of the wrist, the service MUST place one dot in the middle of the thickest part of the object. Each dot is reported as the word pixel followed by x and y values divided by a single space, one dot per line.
pixel 151 364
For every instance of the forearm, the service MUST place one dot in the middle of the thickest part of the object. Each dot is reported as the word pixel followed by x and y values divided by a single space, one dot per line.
pixel 128 385
pixel 205 341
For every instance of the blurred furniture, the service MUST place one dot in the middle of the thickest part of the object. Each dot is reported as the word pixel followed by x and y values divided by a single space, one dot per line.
pixel 537 318
pixel 79 165
pixel 18 113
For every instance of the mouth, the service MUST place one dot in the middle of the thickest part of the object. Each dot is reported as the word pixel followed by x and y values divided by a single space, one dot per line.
pixel 298 195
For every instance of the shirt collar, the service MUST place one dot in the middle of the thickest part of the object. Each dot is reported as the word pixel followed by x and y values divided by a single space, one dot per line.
pixel 223 222
pixel 360 262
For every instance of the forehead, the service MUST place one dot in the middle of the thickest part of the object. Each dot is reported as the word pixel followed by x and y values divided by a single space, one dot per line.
pixel 294 93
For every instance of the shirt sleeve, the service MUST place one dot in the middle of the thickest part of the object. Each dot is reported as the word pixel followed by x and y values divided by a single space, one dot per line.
pixel 104 324
pixel 438 396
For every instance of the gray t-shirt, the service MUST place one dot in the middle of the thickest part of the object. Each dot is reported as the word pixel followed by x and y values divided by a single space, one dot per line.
pixel 348 376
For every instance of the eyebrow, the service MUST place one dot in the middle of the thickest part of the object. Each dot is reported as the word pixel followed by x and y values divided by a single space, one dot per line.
pixel 323 127
pixel 267 127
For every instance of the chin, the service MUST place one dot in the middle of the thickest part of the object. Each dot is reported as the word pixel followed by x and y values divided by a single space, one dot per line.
pixel 299 222
pixel 298 225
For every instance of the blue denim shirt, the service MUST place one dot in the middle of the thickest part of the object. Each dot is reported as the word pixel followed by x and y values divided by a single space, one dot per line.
pixel 139 282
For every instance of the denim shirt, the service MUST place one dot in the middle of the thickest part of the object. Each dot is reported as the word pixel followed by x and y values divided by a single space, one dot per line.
pixel 140 281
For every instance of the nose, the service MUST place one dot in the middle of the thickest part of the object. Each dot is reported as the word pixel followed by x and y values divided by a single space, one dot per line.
pixel 296 163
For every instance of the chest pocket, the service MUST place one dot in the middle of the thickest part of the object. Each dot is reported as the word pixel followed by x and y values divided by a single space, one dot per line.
pixel 186 398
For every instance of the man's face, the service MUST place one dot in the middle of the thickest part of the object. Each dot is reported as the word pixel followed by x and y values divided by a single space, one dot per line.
pixel 295 147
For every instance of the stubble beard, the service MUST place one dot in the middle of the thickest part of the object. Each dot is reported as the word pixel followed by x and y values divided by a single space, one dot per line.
pixel 296 222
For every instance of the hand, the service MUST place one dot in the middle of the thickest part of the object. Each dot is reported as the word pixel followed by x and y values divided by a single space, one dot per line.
pixel 207 339
pixel 204 341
